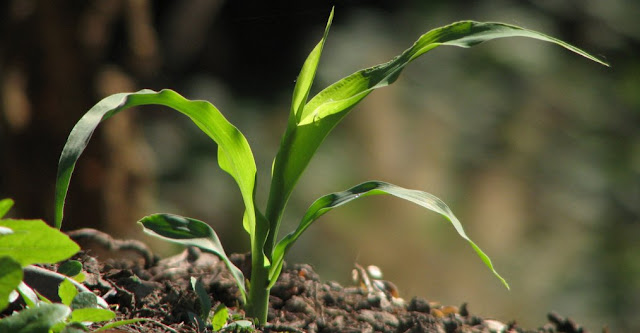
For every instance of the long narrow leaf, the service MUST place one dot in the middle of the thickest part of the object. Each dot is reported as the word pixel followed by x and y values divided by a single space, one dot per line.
pixel 324 111
pixel 188 231
pixel 333 200
pixel 234 153
pixel 307 74
pixel 277 198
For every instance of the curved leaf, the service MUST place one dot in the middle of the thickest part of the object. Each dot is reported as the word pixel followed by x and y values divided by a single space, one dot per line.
pixel 188 231
pixel 333 200
pixel 234 154
pixel 324 111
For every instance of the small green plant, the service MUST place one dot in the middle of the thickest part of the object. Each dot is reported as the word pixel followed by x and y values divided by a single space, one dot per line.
pixel 310 121
pixel 28 242
pixel 219 319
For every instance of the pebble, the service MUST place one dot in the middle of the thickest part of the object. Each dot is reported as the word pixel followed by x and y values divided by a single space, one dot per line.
pixel 419 305
pixel 378 319
pixel 298 304
pixel 494 326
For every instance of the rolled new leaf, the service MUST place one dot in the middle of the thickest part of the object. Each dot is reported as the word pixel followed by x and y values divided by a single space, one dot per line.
pixel 278 198
pixel 333 200
pixel 192 232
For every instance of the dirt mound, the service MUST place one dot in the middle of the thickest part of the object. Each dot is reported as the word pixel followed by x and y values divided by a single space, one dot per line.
pixel 300 302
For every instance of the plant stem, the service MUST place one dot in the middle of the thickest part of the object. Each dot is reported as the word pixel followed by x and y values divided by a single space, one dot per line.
pixel 258 302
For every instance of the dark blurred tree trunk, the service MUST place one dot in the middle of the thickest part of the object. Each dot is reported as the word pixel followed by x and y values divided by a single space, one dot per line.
pixel 54 66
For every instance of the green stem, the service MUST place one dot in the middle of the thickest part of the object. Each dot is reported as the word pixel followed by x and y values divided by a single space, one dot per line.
pixel 258 302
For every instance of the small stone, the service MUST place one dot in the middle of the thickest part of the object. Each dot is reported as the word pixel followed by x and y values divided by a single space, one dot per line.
pixel 378 319
pixel 298 304
pixel 419 305
pixel 449 309
pixel 437 313
pixel 494 326
pixel 389 319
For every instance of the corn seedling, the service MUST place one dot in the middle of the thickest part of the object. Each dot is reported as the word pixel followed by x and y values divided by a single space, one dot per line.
pixel 309 122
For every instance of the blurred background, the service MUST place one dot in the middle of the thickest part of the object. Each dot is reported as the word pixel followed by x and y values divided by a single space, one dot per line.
pixel 536 149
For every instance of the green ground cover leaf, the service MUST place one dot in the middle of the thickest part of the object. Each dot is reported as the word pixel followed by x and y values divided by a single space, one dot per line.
pixel 34 241
pixel 219 318
pixel 70 268
pixel 35 320
pixel 84 300
pixel 93 315
pixel 125 322
pixel 67 292
pixel 10 278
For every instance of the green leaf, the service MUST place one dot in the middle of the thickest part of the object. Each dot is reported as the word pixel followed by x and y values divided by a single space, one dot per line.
pixel 278 197
pixel 35 320
pixel 324 111
pixel 70 268
pixel 93 315
pixel 219 318
pixel 84 300
pixel 234 154
pixel 203 297
pixel 80 277
pixel 67 292
pixel 10 278
pixel 191 232
pixel 122 323
pixel 5 206
pixel 29 296
pixel 307 74
pixel 333 200
pixel 33 241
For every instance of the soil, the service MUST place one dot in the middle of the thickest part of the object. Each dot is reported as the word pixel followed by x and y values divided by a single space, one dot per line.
pixel 138 285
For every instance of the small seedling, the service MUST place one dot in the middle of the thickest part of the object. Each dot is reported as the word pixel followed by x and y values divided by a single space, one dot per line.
pixel 310 121
pixel 28 242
